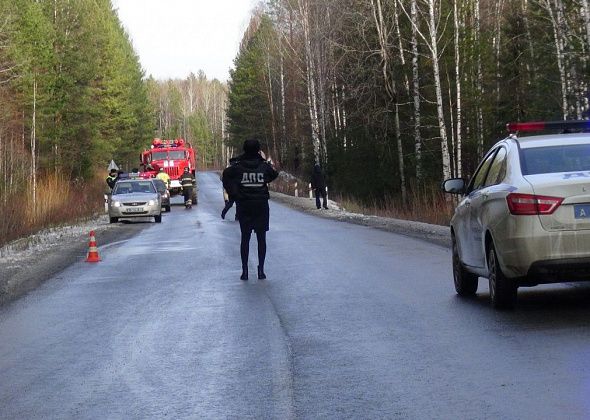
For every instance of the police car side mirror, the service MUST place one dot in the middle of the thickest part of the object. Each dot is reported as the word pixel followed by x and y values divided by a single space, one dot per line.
pixel 454 186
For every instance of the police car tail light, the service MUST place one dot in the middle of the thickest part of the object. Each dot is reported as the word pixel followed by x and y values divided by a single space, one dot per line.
pixel 531 204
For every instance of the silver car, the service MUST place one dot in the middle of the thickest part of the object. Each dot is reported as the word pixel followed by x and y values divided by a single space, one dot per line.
pixel 135 198
pixel 524 219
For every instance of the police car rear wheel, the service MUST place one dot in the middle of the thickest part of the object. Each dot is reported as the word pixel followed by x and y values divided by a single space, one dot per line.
pixel 158 219
pixel 465 282
pixel 113 219
pixel 503 291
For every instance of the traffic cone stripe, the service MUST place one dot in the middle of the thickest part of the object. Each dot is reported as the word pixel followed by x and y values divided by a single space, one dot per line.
pixel 92 255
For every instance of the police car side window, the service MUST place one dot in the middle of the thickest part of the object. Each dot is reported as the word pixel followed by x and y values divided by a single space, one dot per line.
pixel 480 176
pixel 497 170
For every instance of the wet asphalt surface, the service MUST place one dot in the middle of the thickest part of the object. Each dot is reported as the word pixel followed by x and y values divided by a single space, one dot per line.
pixel 352 322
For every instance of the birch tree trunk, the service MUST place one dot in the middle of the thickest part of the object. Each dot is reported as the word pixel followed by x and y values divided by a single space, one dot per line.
pixel 283 107
pixel 416 92
pixel 498 47
pixel 479 80
pixel 34 148
pixel 271 105
pixel 559 56
pixel 444 146
pixel 530 63
pixel 310 75
pixel 390 87
pixel 458 155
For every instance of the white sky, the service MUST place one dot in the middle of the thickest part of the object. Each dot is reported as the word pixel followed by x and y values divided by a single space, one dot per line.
pixel 175 37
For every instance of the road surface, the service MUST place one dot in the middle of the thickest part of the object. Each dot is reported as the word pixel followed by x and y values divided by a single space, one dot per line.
pixel 352 322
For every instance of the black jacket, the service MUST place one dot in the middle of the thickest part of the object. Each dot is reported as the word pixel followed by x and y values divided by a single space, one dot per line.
pixel 187 180
pixel 226 181
pixel 318 181
pixel 248 179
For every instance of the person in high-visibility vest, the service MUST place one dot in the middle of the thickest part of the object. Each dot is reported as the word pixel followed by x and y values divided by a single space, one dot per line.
pixel 112 179
pixel 164 177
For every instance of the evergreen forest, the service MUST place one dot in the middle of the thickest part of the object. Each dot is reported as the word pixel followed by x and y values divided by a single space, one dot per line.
pixel 72 97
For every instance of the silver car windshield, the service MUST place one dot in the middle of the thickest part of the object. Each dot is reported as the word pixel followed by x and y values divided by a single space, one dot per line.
pixel 133 187
pixel 554 159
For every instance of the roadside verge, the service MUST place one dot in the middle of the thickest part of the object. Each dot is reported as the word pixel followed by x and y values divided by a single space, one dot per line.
pixel 439 235
pixel 28 262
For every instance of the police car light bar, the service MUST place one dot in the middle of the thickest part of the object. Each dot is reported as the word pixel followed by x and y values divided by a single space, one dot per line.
pixel 548 125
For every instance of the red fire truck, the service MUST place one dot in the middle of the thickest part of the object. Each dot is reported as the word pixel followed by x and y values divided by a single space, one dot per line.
pixel 173 156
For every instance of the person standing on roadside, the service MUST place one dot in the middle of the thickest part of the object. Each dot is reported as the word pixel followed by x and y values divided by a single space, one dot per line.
pixel 318 183
pixel 112 179
pixel 248 182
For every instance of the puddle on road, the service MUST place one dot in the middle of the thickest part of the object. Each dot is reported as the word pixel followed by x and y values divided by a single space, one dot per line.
pixel 145 250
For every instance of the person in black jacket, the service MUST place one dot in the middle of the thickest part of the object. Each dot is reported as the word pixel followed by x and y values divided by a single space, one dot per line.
pixel 229 201
pixel 112 179
pixel 187 181
pixel 318 183
pixel 247 181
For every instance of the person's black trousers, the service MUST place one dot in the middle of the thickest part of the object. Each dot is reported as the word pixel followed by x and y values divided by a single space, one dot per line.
pixel 187 192
pixel 321 192
pixel 228 205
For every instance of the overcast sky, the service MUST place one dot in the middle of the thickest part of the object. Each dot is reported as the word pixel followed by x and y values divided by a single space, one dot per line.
pixel 175 37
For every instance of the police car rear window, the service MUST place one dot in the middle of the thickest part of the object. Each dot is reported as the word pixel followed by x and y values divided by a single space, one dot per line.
pixel 554 159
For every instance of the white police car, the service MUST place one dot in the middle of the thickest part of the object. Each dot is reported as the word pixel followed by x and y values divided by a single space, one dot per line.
pixel 524 219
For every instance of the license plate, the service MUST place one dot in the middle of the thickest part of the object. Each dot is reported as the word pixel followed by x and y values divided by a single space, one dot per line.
pixel 582 211
pixel 134 210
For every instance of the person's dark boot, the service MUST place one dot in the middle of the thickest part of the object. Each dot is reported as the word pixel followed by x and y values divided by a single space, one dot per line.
pixel 261 275
pixel 223 213
pixel 244 275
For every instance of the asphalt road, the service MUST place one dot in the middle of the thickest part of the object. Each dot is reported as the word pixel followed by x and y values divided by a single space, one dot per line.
pixel 352 322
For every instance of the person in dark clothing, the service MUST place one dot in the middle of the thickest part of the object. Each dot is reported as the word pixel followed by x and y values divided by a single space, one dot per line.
pixel 187 181
pixel 248 184
pixel 229 199
pixel 112 179
pixel 318 183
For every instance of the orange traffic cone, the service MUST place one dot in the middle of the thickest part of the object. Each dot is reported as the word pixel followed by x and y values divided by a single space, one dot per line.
pixel 92 255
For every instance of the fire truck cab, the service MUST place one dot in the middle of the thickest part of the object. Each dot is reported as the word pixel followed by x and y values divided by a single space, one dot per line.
pixel 171 155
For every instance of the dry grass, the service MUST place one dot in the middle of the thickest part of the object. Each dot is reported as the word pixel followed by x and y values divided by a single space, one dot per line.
pixel 427 205
pixel 59 200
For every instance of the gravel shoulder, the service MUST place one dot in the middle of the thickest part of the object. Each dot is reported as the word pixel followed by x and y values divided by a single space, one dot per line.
pixel 440 235
pixel 28 262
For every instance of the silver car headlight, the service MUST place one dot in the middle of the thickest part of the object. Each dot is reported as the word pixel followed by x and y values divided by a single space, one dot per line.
pixel 152 203
pixel 116 204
